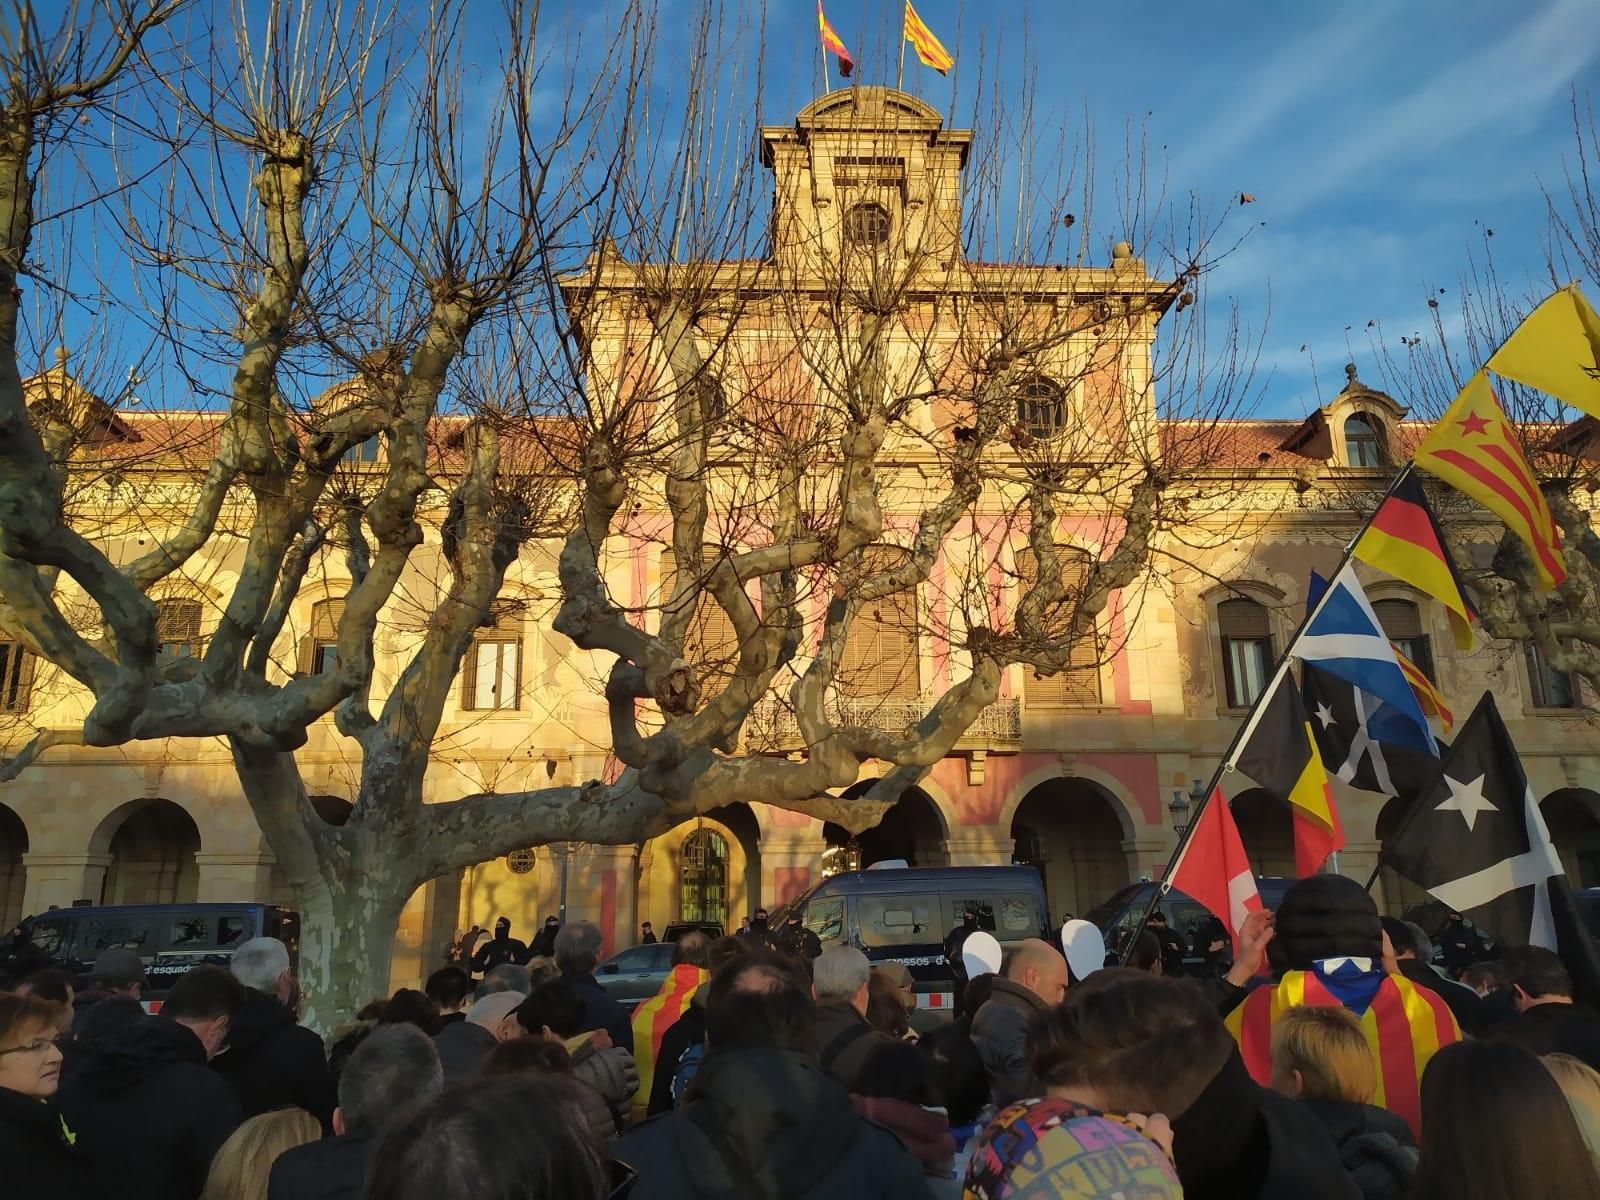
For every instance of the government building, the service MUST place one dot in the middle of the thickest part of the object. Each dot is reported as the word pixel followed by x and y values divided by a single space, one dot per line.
pixel 1086 775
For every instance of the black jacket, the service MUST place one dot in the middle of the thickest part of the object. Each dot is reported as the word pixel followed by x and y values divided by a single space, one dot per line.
pixel 99 1017
pixel 1555 1029
pixel 498 951
pixel 1000 1032
pixel 1240 1141
pixel 1374 1144
pixel 36 1158
pixel 332 1169
pixel 688 1030
pixel 462 1046
pixel 767 1125
pixel 600 1011
pixel 271 1062
pixel 845 1041
pixel 1464 1003
pixel 150 1113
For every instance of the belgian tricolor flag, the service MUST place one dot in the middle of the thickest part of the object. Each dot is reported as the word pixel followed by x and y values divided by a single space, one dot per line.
pixel 1280 754
pixel 1404 540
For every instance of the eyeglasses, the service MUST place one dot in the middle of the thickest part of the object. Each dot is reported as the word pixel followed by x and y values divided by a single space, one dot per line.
pixel 37 1046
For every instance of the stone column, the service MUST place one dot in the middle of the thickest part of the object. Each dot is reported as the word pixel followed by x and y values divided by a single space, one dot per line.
pixel 1148 852
pixel 980 848
pixel 229 876
pixel 59 880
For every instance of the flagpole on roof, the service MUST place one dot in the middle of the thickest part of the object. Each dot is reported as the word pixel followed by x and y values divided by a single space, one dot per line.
pixel 900 74
pixel 1253 717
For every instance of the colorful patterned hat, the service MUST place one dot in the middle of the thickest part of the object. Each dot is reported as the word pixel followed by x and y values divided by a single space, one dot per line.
pixel 1044 1149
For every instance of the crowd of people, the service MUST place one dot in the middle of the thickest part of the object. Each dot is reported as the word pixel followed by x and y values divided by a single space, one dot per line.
pixel 1332 1060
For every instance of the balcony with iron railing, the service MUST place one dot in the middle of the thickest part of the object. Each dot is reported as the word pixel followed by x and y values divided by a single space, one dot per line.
pixel 773 729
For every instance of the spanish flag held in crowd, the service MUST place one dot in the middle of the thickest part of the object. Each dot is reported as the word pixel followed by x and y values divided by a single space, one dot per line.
pixel 1557 350
pixel 834 44
pixel 653 1018
pixel 1474 449
pixel 1279 752
pixel 930 51
pixel 1403 539
pixel 1404 1024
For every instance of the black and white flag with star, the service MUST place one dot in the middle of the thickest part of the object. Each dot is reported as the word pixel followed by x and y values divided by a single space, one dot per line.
pixel 1362 742
pixel 1475 839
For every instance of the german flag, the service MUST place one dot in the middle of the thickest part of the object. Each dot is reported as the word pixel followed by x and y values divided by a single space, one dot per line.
pixel 1403 539
pixel 929 49
pixel 1279 752
pixel 1428 695
pixel 1474 449
pixel 833 44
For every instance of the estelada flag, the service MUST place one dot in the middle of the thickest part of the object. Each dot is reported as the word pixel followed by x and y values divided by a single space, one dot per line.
pixel 1213 868
pixel 929 49
pixel 1279 752
pixel 833 44
pixel 1403 539
pixel 1474 449
pixel 1557 350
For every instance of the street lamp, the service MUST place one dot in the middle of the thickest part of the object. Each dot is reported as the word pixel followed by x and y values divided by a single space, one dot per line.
pixel 1179 808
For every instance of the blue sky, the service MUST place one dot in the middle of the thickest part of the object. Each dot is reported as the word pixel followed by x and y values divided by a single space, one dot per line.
pixel 1380 139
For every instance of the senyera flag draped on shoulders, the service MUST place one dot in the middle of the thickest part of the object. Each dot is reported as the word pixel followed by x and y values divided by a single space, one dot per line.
pixel 834 44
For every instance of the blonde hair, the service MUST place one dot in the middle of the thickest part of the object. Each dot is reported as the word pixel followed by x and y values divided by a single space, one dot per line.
pixel 240 1169
pixel 1580 1084
pixel 1329 1050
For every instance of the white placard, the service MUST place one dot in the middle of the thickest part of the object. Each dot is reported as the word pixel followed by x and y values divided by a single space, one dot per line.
pixel 980 954
pixel 1086 949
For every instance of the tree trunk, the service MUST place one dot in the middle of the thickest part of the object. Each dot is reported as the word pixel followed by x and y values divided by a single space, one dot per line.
pixel 347 929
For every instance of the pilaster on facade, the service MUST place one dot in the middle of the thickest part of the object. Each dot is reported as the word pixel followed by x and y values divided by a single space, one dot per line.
pixel 61 880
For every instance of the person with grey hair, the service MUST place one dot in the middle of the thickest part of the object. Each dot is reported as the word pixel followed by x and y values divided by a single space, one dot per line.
pixel 273 1062
pixel 845 1039
pixel 577 954
pixel 393 1073
pixel 462 1044
pixel 507 977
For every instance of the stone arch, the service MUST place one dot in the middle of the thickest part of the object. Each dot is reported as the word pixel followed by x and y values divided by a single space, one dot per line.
pixel 1123 804
pixel 151 845
pixel 1573 817
pixel 1072 832
pixel 1266 827
pixel 1400 895
pixel 914 829
pixel 13 875
pixel 661 865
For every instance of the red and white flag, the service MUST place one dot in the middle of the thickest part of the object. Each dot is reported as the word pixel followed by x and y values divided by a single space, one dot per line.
pixel 1214 869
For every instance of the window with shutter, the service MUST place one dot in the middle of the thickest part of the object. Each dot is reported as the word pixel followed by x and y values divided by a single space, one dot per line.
pixel 1079 683
pixel 1246 649
pixel 881 651
pixel 16 677
pixel 711 642
pixel 1402 624
pixel 491 670
pixel 1548 687
pixel 319 648
pixel 178 627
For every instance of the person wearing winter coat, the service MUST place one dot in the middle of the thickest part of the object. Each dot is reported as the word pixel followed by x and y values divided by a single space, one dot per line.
pixel 463 1044
pixel 1321 1058
pixel 539 1056
pixel 148 1110
pixel 555 1012
pixel 1130 1042
pixel 895 1088
pixel 577 954
pixel 651 1020
pixel 273 1061
pixel 1548 1020
pixel 38 1154
pixel 1035 979
pixel 841 979
pixel 763 1121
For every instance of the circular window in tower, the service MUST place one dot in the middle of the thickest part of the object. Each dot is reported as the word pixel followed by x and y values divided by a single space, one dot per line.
pixel 867 224
pixel 520 862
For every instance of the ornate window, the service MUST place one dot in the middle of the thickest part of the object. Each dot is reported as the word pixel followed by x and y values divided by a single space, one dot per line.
pixel 1246 649
pixel 1041 407
pixel 881 658
pixel 1363 442
pixel 16 677
pixel 1548 687
pixel 319 649
pixel 1402 624
pixel 1079 683
pixel 867 223
pixel 703 877
pixel 178 627
pixel 491 673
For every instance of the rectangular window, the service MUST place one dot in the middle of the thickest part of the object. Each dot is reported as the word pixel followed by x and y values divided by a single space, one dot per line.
pixel 825 918
pixel 16 677
pixel 1549 688
pixel 121 933
pixel 899 920
pixel 491 676
pixel 189 933
pixel 324 657
pixel 1248 662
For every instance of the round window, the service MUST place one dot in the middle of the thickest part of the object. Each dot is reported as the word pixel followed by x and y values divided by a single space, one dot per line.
pixel 520 861
pixel 867 224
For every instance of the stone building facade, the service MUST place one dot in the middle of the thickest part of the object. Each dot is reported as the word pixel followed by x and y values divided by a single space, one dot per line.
pixel 1084 775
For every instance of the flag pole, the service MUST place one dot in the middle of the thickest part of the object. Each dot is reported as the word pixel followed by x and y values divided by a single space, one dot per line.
pixel 900 74
pixel 822 53
pixel 1252 718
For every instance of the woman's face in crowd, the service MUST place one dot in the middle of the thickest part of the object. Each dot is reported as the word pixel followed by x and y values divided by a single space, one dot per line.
pixel 30 1063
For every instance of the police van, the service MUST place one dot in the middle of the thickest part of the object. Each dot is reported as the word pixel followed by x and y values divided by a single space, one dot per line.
pixel 170 938
pixel 896 913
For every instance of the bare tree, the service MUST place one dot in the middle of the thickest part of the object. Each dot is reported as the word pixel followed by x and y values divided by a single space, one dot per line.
pixel 559 321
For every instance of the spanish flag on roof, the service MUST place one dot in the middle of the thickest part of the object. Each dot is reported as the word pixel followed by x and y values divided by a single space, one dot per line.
pixel 1404 540
pixel 929 49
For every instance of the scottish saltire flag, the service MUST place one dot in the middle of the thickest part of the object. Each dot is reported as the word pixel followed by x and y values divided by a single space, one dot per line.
pixel 1344 639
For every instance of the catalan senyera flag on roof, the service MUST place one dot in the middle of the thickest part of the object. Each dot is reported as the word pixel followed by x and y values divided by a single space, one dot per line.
pixel 834 44
pixel 1404 540
pixel 1474 449
pixel 930 51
